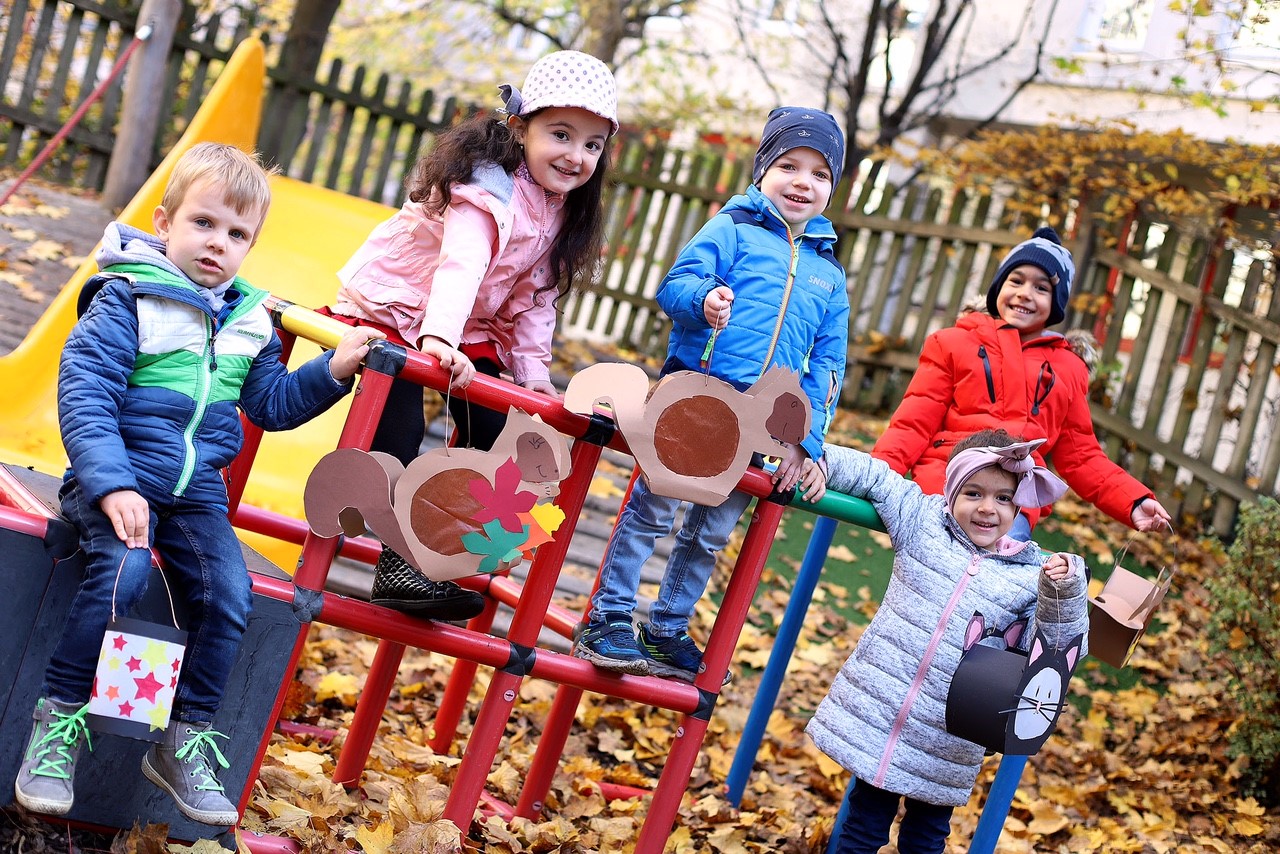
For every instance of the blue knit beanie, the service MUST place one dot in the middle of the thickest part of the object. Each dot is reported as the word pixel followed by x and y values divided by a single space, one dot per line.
pixel 799 127
pixel 1043 250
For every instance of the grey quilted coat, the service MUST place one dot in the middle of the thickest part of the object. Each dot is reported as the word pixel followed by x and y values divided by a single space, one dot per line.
pixel 884 716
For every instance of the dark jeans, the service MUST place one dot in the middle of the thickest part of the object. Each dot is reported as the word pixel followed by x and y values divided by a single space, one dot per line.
pixel 402 427
pixel 204 567
pixel 924 829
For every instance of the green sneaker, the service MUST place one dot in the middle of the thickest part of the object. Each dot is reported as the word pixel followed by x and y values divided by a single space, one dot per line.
pixel 180 765
pixel 46 778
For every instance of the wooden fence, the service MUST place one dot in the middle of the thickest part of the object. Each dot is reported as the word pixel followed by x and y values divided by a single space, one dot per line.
pixel 1187 396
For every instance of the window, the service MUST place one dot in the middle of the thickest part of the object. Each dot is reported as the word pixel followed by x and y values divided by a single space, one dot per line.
pixel 1115 25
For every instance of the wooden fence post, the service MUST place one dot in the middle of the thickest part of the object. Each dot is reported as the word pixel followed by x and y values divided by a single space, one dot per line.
pixel 140 114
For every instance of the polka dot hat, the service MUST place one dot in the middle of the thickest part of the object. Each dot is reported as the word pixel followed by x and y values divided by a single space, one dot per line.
pixel 566 78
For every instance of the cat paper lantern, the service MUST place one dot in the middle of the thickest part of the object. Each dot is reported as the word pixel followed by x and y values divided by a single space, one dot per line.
pixel 693 435
pixel 453 511
pixel 1005 700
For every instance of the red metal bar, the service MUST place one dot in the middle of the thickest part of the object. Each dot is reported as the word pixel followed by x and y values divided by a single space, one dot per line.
pixel 143 33
pixel 676 772
pixel 364 723
pixel 263 843
pixel 555 731
pixel 454 699
pixel 23 522
pixel 495 711
pixel 318 552
pixel 546 757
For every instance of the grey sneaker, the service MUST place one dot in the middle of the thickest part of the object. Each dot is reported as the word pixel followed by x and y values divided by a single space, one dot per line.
pixel 181 765
pixel 47 774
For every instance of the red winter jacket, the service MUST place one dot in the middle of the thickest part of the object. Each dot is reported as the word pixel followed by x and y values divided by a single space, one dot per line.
pixel 977 375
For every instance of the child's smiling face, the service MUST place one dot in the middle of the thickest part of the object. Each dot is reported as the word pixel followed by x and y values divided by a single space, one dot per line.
pixel 984 506
pixel 799 184
pixel 562 146
pixel 1025 299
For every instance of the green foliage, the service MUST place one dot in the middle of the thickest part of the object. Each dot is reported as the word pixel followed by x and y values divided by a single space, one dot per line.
pixel 1118 171
pixel 1245 628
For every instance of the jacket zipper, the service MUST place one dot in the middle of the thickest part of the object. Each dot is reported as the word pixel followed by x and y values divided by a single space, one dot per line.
pixel 895 732
pixel 204 390
pixel 786 298
pixel 986 368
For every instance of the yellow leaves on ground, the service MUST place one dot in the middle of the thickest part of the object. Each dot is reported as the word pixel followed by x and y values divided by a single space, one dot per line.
pixel 603 487
pixel 841 552
pixel 1142 770
pixel 343 686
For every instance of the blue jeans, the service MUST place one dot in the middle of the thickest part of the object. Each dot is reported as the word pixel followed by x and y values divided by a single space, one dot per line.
pixel 205 569
pixel 643 519
pixel 924 828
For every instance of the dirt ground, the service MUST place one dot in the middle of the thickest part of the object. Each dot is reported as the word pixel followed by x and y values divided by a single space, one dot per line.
pixel 45 232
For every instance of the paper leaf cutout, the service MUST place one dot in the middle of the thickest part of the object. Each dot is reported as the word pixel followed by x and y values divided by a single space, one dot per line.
pixel 499 547
pixel 541 522
pixel 503 501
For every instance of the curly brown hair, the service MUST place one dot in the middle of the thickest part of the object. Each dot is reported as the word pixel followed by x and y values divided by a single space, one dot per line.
pixel 483 139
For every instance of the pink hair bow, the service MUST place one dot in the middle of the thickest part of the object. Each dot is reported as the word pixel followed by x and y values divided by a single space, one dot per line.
pixel 1037 486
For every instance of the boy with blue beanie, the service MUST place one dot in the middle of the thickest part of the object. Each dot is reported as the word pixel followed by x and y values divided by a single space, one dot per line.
pixel 758 286
pixel 1005 369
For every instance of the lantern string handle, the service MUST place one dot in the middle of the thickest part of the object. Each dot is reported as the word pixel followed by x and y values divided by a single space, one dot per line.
pixel 173 614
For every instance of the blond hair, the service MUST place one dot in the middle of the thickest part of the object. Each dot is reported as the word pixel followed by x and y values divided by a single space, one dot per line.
pixel 241 177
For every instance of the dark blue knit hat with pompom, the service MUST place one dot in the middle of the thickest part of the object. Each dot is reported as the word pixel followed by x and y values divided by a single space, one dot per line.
pixel 1044 250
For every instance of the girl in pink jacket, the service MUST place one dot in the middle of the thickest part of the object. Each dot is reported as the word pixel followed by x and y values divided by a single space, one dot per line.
pixel 503 218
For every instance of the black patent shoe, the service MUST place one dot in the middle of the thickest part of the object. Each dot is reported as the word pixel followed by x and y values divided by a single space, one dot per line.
pixel 397 585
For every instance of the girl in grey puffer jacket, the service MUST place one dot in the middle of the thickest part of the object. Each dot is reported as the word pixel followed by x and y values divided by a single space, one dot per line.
pixel 884 716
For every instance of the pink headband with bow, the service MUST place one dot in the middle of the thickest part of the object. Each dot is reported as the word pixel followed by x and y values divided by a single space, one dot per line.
pixel 1037 486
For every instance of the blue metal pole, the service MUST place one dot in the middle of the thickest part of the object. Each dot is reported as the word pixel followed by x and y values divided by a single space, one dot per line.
pixel 815 555
pixel 999 800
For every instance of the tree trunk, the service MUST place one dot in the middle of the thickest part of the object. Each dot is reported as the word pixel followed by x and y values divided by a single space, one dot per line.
pixel 603 28
pixel 135 143
pixel 284 120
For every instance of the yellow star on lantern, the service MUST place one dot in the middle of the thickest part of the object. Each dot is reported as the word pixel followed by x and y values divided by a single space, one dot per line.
pixel 113 663
pixel 157 653
pixel 159 717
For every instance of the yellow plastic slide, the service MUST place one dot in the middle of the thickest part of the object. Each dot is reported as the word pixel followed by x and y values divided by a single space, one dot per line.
pixel 310 232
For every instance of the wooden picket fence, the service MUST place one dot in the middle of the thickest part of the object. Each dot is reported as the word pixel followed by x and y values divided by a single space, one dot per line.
pixel 1188 328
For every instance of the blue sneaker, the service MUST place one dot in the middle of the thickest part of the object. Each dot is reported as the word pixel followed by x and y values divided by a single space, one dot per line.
pixel 677 656
pixel 609 641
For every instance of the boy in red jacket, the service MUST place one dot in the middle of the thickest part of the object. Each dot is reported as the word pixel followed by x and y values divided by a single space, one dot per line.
pixel 1005 369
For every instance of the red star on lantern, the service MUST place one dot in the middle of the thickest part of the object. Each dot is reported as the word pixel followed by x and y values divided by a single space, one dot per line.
pixel 134 664
pixel 126 709
pixel 177 664
pixel 147 687
pixel 119 642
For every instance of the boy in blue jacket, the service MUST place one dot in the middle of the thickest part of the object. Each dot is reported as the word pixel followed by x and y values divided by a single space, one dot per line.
pixel 757 286
pixel 170 346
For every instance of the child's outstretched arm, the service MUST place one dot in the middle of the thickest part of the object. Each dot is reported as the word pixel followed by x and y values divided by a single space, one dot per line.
pixel 919 416
pixel 351 350
pixel 699 269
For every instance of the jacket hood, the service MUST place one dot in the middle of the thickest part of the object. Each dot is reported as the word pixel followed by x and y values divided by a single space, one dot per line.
pixel 124 244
